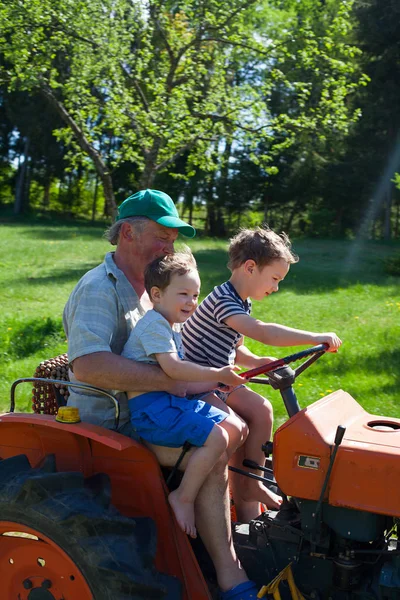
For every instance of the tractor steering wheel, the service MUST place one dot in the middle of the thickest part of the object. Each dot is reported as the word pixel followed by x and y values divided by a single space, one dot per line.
pixel 314 353
pixel 281 377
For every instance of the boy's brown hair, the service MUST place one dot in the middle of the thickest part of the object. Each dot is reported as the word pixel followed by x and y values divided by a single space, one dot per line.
pixel 260 244
pixel 159 272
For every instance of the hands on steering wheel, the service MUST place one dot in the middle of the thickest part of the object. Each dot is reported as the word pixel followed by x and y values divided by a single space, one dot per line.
pixel 315 352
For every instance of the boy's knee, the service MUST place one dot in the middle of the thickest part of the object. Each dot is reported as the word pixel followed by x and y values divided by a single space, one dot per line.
pixel 238 434
pixel 244 431
pixel 220 438
pixel 219 472
pixel 266 409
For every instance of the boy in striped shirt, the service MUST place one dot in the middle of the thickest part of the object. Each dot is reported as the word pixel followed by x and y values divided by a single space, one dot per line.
pixel 213 336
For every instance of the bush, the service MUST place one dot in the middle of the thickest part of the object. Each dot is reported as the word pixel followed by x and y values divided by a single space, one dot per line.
pixel 392 265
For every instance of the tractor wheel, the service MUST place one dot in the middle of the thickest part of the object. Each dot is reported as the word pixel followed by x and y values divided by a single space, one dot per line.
pixel 61 539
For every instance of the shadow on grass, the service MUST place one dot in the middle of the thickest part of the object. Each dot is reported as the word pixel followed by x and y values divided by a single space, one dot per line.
pixel 58 276
pixel 24 338
pixel 303 279
pixel 322 272
pixel 64 232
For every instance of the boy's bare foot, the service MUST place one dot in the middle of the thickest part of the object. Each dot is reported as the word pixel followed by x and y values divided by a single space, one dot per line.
pixel 184 513
pixel 255 491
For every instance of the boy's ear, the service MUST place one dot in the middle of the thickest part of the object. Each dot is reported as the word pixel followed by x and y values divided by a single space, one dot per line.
pixel 155 294
pixel 249 266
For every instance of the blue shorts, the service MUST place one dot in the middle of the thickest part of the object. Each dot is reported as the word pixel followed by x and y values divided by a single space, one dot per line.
pixel 166 420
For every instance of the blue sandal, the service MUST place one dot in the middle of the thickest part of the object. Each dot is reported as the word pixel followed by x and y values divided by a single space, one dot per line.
pixel 244 591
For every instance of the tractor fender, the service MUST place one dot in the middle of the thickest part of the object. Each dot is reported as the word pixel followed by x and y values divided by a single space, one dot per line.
pixel 137 486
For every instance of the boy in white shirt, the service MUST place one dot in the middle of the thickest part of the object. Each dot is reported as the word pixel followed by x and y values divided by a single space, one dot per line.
pixel 173 285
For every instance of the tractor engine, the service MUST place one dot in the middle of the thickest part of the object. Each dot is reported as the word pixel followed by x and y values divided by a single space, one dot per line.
pixel 338 526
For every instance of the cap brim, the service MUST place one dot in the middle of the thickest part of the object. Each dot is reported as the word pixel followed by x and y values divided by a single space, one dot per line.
pixel 184 228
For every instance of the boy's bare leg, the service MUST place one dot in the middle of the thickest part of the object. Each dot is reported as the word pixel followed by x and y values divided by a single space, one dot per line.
pixel 245 510
pixel 212 518
pixel 223 439
pixel 200 463
pixel 257 412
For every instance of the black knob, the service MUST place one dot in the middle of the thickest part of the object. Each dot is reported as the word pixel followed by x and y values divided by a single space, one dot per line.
pixel 27 584
pixel 267 448
pixel 46 584
pixel 340 431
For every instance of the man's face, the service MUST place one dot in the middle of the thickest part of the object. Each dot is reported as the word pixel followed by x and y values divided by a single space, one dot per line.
pixel 155 241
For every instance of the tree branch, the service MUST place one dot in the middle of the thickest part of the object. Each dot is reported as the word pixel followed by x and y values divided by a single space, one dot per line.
pixel 86 146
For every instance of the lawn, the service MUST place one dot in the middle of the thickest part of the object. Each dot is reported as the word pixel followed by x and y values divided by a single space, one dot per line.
pixel 337 286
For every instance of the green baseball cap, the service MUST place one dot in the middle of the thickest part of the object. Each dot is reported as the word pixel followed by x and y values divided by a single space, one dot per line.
pixel 158 207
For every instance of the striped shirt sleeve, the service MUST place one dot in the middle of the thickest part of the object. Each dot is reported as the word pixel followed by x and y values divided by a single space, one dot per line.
pixel 225 307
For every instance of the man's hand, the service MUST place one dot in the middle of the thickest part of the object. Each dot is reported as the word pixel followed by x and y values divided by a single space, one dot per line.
pixel 178 388
pixel 331 339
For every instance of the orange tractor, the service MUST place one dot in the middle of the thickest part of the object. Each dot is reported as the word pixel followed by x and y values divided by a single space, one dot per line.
pixel 84 511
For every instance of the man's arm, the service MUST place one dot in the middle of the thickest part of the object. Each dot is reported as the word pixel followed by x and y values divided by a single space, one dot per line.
pixel 111 371
pixel 200 387
pixel 273 334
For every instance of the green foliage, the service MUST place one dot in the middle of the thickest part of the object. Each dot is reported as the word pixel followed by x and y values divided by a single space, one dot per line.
pixel 392 265
pixel 158 81
pixel 396 180
pixel 21 338
pixel 6 175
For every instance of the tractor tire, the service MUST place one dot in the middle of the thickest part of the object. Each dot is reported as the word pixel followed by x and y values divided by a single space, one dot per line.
pixel 61 539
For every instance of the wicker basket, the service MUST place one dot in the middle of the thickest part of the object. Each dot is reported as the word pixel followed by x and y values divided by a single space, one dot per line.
pixel 47 398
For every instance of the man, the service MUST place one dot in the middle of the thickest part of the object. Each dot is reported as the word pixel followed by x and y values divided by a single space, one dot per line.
pixel 98 317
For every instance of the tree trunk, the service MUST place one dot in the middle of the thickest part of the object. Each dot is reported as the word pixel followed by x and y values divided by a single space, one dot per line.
pixel 148 176
pixel 70 195
pixel 27 186
pixel 397 221
pixel 86 146
pixel 211 219
pixel 46 193
pixel 286 227
pixel 387 213
pixel 96 186
pixel 221 229
pixel 191 213
pixel 188 202
pixel 21 181
pixel 265 202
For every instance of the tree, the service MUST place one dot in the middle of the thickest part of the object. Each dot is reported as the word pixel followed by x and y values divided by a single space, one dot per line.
pixel 162 80
pixel 358 181
pixel 154 79
pixel 309 79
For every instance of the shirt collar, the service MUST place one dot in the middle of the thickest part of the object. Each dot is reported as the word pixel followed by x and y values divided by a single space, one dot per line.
pixel 111 267
pixel 124 289
pixel 246 302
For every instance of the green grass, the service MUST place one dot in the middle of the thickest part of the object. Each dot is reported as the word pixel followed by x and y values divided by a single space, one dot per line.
pixel 336 286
